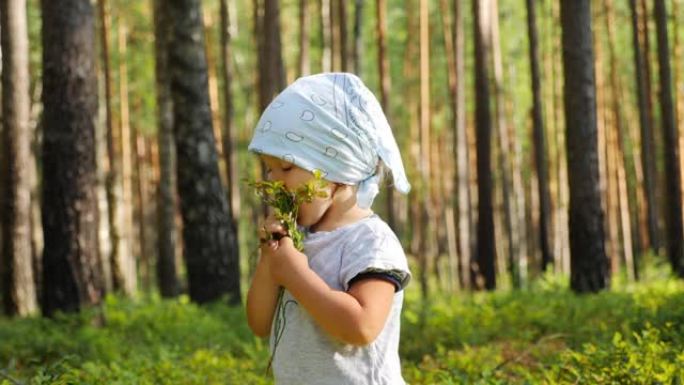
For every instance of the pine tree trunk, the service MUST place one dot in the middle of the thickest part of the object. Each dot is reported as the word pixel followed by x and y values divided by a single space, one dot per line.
pixel 166 199
pixel 646 130
pixel 71 274
pixel 589 269
pixel 553 122
pixel 485 227
pixel 335 35
pixel 229 130
pixel 208 22
pixel 304 67
pixel 17 278
pixel 649 139
pixel 141 200
pixel 563 252
pixel 605 146
pixel 425 153
pixel 385 85
pixel 606 149
pixel 342 27
pixel 619 134
pixel 357 52
pixel 465 214
pixel 410 71
pixel 125 274
pixel 37 242
pixel 271 68
pixel 120 249
pixel 539 139
pixel 504 155
pixel 451 197
pixel 110 242
pixel 677 81
pixel 210 245
pixel 673 184
pixel 326 36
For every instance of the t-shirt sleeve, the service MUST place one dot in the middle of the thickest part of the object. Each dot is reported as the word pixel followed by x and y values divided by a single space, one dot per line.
pixel 385 276
pixel 374 251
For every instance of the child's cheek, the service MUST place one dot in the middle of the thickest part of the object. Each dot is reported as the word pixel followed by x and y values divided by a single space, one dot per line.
pixel 309 213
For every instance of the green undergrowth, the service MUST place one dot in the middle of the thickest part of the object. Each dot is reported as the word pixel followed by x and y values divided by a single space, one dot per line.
pixel 633 334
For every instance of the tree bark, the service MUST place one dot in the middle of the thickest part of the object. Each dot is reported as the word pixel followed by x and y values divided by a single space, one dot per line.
pixel 385 86
pixel 326 36
pixel 271 68
pixel 209 44
pixel 17 278
pixel 342 25
pixel 210 245
pixel 677 82
pixel 110 232
pixel 229 130
pixel 425 153
pixel 589 269
pixel 167 234
pixel 304 65
pixel 673 182
pixel 505 157
pixel 485 227
pixel 554 124
pixel 647 54
pixel 539 140
pixel 451 197
pixel 125 274
pixel 620 158
pixel 606 148
pixel 646 130
pixel 141 200
pixel 357 52
pixel 410 72
pixel 465 214
pixel 72 277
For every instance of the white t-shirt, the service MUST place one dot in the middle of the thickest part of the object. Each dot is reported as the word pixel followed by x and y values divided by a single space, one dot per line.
pixel 306 354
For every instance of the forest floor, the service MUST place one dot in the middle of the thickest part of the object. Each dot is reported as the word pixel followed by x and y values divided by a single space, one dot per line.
pixel 545 334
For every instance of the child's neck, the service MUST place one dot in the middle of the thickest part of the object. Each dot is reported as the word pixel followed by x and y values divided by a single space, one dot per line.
pixel 339 215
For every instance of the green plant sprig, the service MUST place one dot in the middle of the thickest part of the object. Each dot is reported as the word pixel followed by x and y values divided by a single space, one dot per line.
pixel 286 203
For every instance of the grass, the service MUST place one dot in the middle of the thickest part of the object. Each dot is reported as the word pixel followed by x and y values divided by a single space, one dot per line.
pixel 632 334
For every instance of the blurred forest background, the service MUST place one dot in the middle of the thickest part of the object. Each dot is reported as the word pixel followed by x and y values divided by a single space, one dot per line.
pixel 542 139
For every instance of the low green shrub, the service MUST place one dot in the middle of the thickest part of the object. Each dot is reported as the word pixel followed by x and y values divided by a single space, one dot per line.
pixel 633 334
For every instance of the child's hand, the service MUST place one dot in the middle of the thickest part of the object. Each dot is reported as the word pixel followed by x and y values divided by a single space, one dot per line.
pixel 271 228
pixel 285 261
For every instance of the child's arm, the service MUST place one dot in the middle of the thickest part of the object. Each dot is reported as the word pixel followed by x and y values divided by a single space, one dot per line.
pixel 354 317
pixel 262 299
pixel 262 296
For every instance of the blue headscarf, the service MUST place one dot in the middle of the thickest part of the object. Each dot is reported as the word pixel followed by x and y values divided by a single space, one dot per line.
pixel 331 122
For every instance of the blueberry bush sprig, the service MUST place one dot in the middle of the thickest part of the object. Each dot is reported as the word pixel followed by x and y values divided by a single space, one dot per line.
pixel 285 202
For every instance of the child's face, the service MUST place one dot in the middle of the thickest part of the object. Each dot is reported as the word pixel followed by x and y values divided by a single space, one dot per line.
pixel 293 177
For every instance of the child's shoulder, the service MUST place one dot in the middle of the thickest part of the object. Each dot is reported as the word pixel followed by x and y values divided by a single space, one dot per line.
pixel 373 225
pixel 372 229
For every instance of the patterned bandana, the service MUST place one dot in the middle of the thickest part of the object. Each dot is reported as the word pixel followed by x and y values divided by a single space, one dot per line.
pixel 333 123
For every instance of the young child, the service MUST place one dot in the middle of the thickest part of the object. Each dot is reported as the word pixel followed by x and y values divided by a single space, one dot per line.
pixel 338 322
